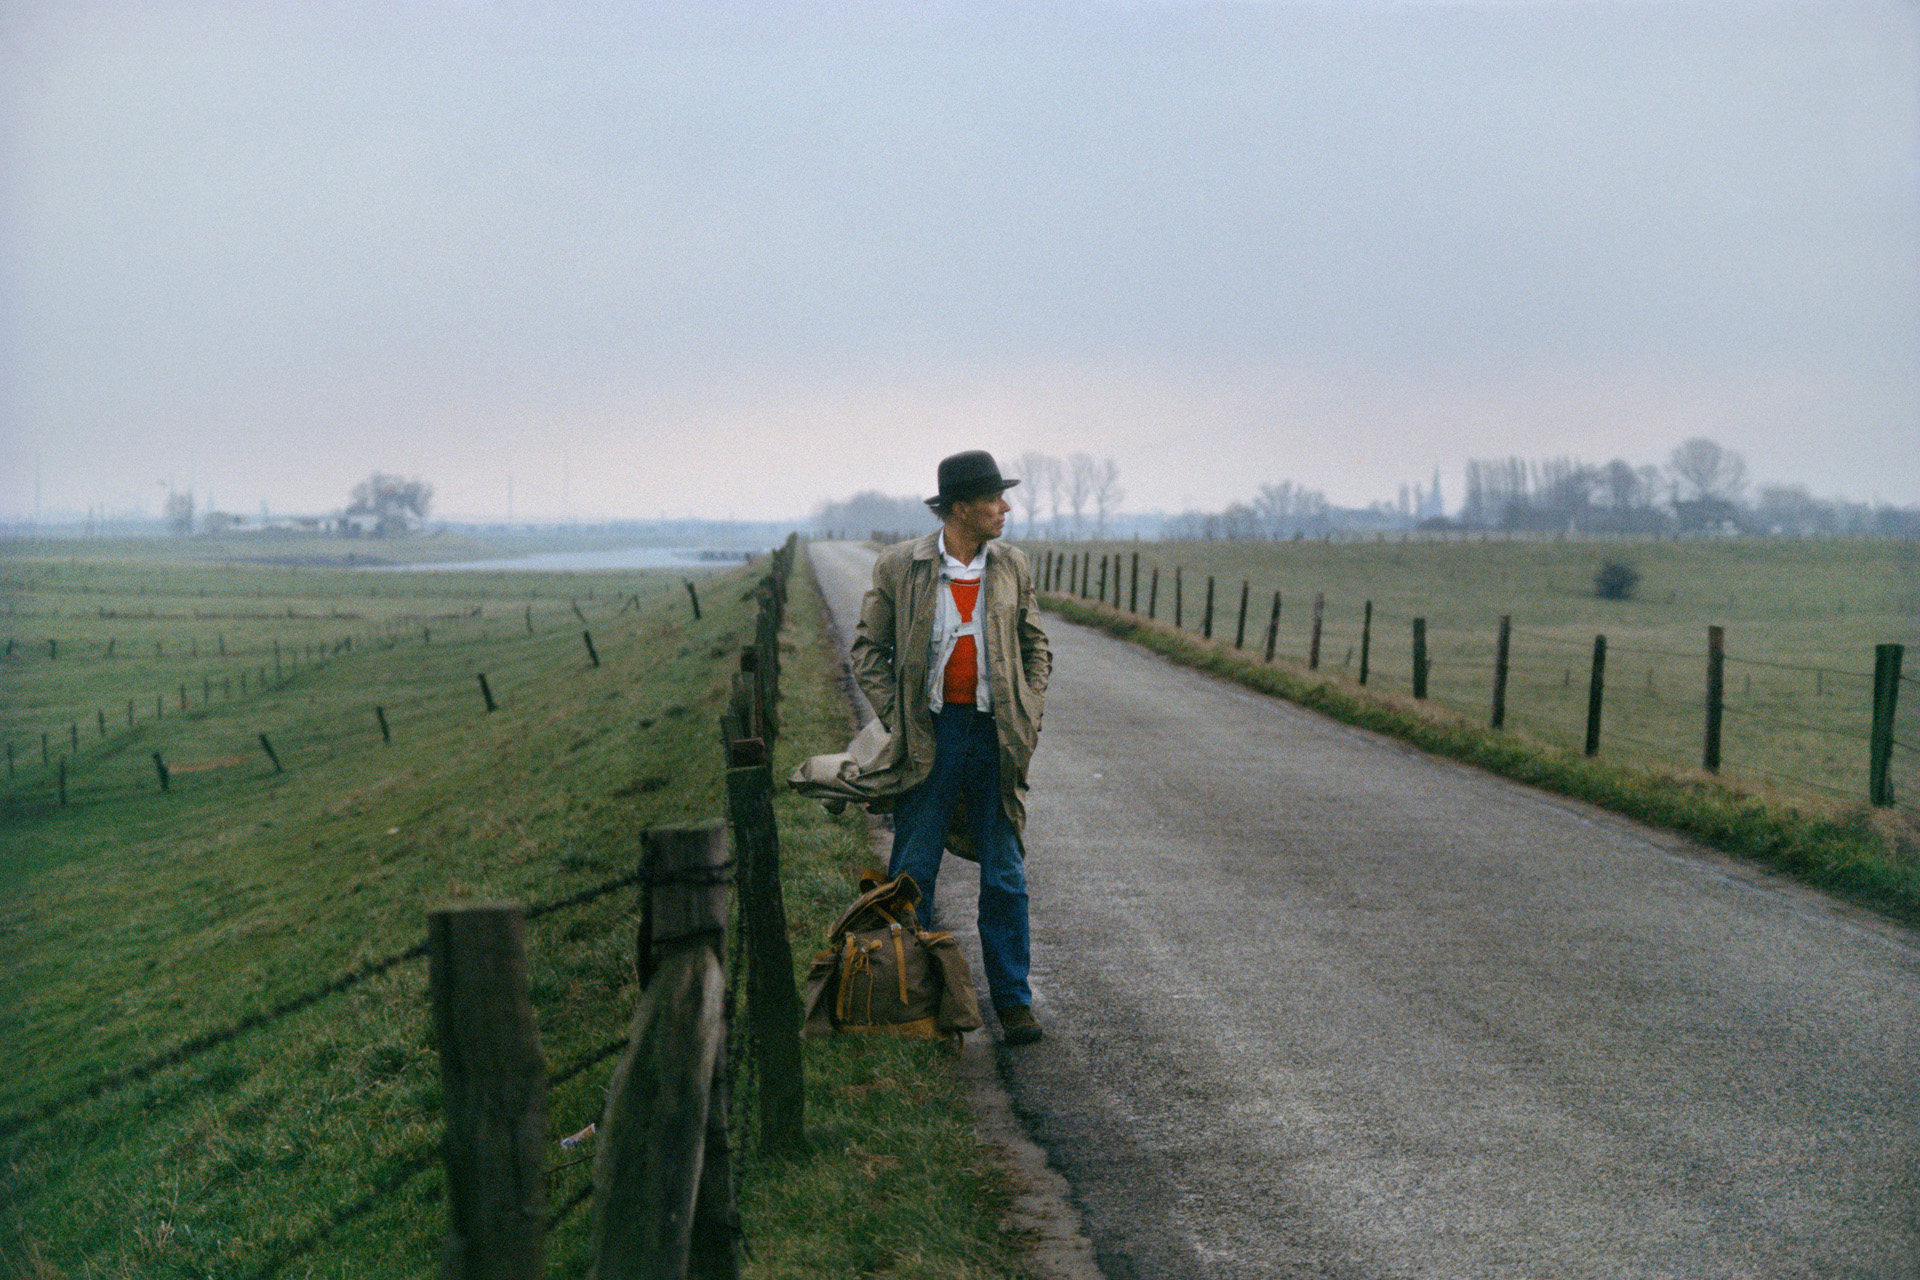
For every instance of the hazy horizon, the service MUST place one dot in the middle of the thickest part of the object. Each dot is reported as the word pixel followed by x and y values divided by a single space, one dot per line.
pixel 733 262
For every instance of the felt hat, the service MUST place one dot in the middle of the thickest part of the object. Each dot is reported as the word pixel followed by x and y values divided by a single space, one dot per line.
pixel 973 474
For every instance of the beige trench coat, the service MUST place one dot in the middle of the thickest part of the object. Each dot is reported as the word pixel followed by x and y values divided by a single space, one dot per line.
pixel 891 656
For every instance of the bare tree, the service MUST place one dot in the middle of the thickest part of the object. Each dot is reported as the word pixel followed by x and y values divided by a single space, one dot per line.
pixel 1711 473
pixel 1082 472
pixel 1107 493
pixel 1034 470
pixel 389 500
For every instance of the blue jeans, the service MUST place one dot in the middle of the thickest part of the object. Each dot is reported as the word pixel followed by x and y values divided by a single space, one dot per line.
pixel 966 763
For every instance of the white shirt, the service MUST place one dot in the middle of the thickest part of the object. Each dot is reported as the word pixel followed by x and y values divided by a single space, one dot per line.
pixel 948 627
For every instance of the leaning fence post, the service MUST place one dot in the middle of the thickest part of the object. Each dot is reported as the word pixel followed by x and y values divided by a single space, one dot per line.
pixel 694 596
pixel 1419 657
pixel 1366 639
pixel 386 734
pixel 591 651
pixel 1596 684
pixel 650 1171
pixel 1886 696
pixel 1240 632
pixel 272 755
pixel 1500 671
pixel 486 691
pixel 494 1090
pixel 1716 688
pixel 772 1003
pixel 1273 626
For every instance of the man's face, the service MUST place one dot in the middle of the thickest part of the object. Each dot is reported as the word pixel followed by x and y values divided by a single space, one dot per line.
pixel 983 518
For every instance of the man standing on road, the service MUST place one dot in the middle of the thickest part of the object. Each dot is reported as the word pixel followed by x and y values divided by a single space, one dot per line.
pixel 949 653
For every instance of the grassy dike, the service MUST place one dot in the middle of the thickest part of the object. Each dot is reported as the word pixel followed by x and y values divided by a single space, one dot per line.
pixel 133 923
pixel 1870 858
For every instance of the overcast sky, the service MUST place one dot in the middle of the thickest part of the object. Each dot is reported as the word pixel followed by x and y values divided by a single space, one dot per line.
pixel 737 259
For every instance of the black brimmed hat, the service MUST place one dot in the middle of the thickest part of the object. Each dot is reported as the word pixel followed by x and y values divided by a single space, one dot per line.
pixel 973 474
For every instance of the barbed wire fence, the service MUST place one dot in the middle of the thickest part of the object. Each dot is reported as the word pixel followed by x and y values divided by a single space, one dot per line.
pixel 1801 726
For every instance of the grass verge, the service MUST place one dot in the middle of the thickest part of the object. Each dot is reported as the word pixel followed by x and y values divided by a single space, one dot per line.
pixel 1869 857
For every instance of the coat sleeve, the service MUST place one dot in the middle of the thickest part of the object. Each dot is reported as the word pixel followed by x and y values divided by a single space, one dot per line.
pixel 871 654
pixel 1036 658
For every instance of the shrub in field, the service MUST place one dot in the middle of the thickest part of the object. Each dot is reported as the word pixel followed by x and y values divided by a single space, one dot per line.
pixel 1616 580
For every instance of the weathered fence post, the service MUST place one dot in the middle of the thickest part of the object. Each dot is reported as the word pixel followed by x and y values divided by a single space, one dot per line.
pixel 1366 639
pixel 1419 657
pixel 1103 579
pixel 658 1185
pixel 1153 594
pixel 1206 619
pixel 1716 688
pixel 386 734
pixel 592 653
pixel 1240 632
pixel 1273 626
pixel 1133 586
pixel 1500 653
pixel 694 596
pixel 160 768
pixel 494 1091
pixel 1177 601
pixel 1313 647
pixel 267 747
pixel 486 691
pixel 1596 684
pixel 772 1003
pixel 1886 696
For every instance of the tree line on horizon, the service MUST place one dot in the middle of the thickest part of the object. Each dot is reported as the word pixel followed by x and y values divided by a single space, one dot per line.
pixel 1702 487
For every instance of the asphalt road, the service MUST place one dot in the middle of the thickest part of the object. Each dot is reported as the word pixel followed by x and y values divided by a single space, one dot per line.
pixel 1319 1005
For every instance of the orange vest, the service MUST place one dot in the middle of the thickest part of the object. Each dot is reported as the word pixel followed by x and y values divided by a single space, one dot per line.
pixel 963 668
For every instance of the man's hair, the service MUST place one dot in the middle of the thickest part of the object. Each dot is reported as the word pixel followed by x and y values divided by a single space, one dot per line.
pixel 942 509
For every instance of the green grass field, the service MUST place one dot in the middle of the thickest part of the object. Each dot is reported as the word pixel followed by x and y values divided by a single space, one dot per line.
pixel 1801 621
pixel 134 922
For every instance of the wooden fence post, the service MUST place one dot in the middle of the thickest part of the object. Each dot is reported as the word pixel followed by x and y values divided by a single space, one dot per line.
pixel 1240 631
pixel 1886 697
pixel 1206 619
pixel 694 596
pixel 494 1089
pixel 1177 601
pixel 1716 688
pixel 1366 639
pixel 1500 653
pixel 1419 657
pixel 1313 647
pixel 591 651
pixel 267 747
pixel 656 1192
pixel 386 734
pixel 160 768
pixel 1103 579
pixel 1596 684
pixel 1133 586
pixel 1153 594
pixel 772 1003
pixel 1273 626
pixel 486 692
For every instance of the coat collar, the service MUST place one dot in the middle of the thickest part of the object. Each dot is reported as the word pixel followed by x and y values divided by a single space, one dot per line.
pixel 927 547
